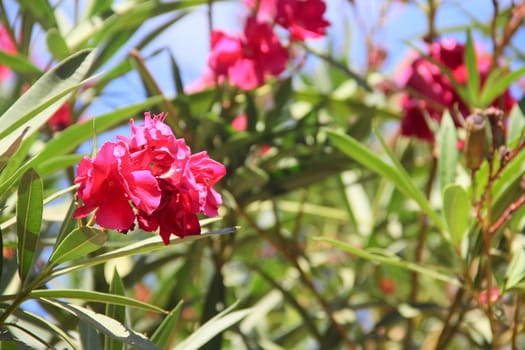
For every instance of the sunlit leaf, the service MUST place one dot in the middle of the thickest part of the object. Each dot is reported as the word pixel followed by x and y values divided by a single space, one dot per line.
pixel 391 260
pixel 473 79
pixel 456 209
pixel 78 243
pixel 100 297
pixel 144 246
pixel 29 209
pixel 210 329
pixel 516 271
pixel 116 312
pixel 56 44
pixel 448 151
pixel 166 329
pixel 44 97
pixel 393 172
pixel 106 325
pixel 490 93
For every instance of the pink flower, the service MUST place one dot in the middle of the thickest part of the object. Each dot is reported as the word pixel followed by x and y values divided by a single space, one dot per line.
pixel 266 10
pixel 8 46
pixel 109 182
pixel 240 123
pixel 430 92
pixel 246 61
pixel 303 18
pixel 61 119
pixel 151 176
pixel 484 296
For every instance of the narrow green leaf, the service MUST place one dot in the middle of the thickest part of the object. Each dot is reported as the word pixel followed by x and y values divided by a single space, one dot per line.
pixel 456 209
pixel 4 157
pixel 516 270
pixel 89 337
pixel 106 325
pixel 216 325
pixel 394 173
pixel 78 243
pixel 392 260
pixel 29 209
pixel 165 330
pixel 516 126
pixel 44 97
pixel 473 80
pixel 116 312
pixel 100 297
pixel 490 93
pixel 19 64
pixel 144 246
pixel 448 151
pixel 52 327
pixel 41 11
pixel 56 44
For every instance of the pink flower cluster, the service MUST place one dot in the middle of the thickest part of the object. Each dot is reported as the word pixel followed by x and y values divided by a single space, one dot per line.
pixel 430 92
pixel 152 177
pixel 248 59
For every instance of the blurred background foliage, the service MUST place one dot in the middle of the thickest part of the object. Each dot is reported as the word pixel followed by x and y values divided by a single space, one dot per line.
pixel 286 186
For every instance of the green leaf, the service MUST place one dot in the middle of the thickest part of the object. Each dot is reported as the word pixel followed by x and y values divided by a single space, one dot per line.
pixel 19 64
pixel 106 325
pixel 165 330
pixel 491 92
pixel 116 312
pixel 52 327
pixel 473 80
pixel 456 209
pixel 516 270
pixel 392 260
pixel 4 158
pixel 89 337
pixel 393 172
pixel 29 209
pixel 56 44
pixel 516 126
pixel 78 243
pixel 214 326
pixel 144 246
pixel 448 151
pixel 100 297
pixel 44 97
pixel 41 11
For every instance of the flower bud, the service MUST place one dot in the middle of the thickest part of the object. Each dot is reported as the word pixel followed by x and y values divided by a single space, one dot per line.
pixel 475 142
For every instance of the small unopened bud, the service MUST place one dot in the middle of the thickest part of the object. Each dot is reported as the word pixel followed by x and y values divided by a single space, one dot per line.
pixel 475 142
pixel 497 127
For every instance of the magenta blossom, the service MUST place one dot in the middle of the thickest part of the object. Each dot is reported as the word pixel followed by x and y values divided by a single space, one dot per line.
pixel 247 61
pixel 109 182
pixel 303 18
pixel 153 177
pixel 8 46
pixel 430 92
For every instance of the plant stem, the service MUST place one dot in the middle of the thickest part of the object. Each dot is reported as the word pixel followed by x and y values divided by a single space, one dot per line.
pixel 24 294
pixel 420 249
pixel 292 258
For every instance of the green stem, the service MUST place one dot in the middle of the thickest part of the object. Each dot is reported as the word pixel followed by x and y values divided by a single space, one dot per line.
pixel 24 294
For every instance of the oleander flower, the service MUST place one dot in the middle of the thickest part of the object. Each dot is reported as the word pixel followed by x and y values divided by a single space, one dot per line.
pixel 61 119
pixel 150 176
pixel 248 60
pixel 303 18
pixel 8 46
pixel 109 182
pixel 265 9
pixel 430 92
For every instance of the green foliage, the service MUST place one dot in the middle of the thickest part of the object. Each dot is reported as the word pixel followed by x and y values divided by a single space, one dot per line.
pixel 335 231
